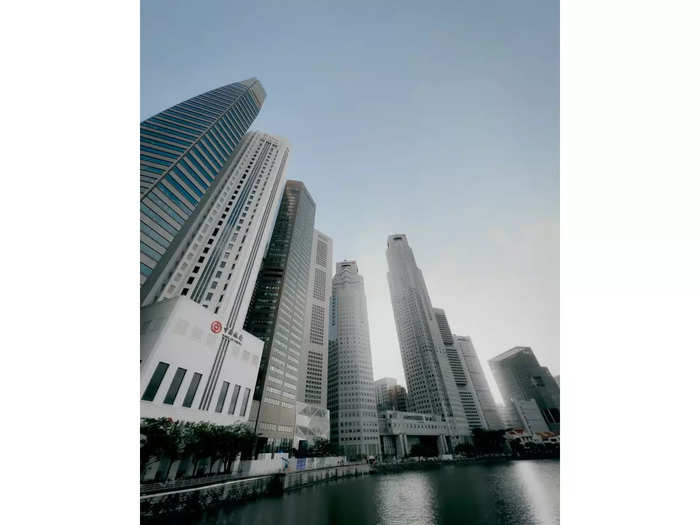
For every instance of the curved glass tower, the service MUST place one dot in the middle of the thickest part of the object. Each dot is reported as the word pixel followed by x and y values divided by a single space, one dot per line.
pixel 183 150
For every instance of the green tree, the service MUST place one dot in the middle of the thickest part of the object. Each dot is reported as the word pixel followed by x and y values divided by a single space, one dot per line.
pixel 163 440
pixel 322 448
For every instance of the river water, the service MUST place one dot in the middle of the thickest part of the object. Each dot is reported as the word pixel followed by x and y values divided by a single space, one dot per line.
pixel 519 492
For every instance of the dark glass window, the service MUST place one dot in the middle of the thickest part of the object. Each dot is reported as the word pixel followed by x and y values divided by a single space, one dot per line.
pixel 244 406
pixel 192 390
pixel 234 399
pixel 222 396
pixel 156 380
pixel 174 386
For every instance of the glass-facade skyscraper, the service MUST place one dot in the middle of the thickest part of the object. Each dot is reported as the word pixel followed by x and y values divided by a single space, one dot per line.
pixel 277 315
pixel 183 150
pixel 519 376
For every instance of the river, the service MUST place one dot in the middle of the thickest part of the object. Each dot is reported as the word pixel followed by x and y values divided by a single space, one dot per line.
pixel 519 492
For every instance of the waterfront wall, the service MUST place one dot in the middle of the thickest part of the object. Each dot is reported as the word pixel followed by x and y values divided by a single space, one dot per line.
pixel 301 478
pixel 265 464
pixel 198 499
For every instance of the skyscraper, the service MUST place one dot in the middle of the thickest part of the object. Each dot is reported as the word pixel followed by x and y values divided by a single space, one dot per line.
pixel 473 368
pixel 351 396
pixel 192 335
pixel 313 376
pixel 312 417
pixel 183 150
pixel 519 376
pixel 430 379
pixel 277 316
pixel 460 372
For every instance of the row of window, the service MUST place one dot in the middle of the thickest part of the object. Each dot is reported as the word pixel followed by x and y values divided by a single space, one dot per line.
pixel 170 396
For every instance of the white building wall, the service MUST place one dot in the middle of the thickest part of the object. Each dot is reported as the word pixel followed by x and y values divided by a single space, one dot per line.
pixel 313 378
pixel 178 332
pixel 196 325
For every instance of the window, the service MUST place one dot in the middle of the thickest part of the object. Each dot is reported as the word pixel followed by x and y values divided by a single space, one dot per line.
pixel 234 399
pixel 244 406
pixel 222 396
pixel 174 386
pixel 190 280
pixel 156 380
pixel 192 390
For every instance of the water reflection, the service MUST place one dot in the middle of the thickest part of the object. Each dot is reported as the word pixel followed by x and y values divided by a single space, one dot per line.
pixel 505 493
pixel 409 499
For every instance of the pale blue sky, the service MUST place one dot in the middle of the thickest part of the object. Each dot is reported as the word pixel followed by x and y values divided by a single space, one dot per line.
pixel 437 120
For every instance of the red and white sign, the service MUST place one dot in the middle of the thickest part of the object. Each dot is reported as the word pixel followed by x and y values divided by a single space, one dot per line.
pixel 216 327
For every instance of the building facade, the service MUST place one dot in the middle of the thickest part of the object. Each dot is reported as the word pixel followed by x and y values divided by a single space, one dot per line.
pixel 390 396
pixel 519 376
pixel 351 397
pixel 192 336
pixel 400 431
pixel 430 379
pixel 313 376
pixel 277 316
pixel 183 152
pixel 460 372
pixel 484 397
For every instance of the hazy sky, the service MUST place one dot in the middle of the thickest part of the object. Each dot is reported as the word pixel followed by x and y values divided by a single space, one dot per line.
pixel 437 120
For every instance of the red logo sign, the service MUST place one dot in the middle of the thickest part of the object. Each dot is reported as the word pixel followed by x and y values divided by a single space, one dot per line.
pixel 216 327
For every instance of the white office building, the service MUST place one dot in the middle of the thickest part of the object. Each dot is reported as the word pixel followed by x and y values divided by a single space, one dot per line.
pixel 197 363
pixel 482 391
pixel 430 379
pixel 351 397
pixel 312 415
pixel 313 376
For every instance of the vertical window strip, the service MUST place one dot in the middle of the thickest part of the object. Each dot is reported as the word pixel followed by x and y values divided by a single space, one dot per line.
pixel 192 390
pixel 234 399
pixel 222 396
pixel 174 386
pixel 156 379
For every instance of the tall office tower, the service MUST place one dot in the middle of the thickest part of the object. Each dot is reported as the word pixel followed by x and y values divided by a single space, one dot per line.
pixel 277 316
pixel 313 376
pixel 183 150
pixel 192 336
pixel 351 397
pixel 460 372
pixel 487 405
pixel 313 418
pixel 430 380
pixel 519 376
